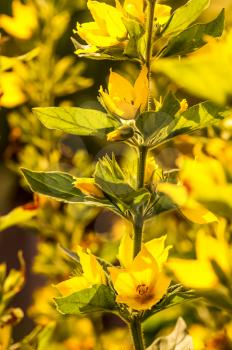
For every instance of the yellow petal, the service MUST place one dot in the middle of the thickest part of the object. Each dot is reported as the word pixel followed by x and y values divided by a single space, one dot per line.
pixel 108 18
pixel 23 23
pixel 162 13
pixel 141 89
pixel 125 251
pixel 209 248
pixel 135 8
pixel 157 249
pixel 193 273
pixel 73 285
pixel 195 212
pixel 119 87
pixel 177 193
pixel 92 270
pixel 11 88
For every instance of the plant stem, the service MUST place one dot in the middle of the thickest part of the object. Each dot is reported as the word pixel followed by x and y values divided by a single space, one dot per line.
pixel 149 31
pixel 135 324
pixel 137 334
pixel 138 218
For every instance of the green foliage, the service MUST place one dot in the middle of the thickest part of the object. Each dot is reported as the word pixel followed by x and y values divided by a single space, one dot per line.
pixel 184 16
pixel 94 299
pixel 159 127
pixel 194 37
pixel 77 121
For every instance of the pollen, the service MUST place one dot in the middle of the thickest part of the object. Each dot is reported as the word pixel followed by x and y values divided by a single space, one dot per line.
pixel 142 289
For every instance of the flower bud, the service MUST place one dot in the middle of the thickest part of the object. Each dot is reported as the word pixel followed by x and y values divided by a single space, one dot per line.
pixel 121 134
pixel 88 187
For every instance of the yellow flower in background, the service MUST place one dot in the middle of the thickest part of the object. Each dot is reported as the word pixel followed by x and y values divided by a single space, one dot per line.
pixel 11 93
pixel 156 248
pixel 142 284
pixel 123 99
pixel 88 187
pixel 196 177
pixel 107 29
pixel 136 9
pixel 24 21
pixel 162 13
pixel 93 273
pixel 199 273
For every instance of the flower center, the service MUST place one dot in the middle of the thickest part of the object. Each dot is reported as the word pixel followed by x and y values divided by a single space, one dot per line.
pixel 142 289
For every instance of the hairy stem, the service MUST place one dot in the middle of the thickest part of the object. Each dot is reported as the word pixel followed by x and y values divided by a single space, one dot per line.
pixel 137 334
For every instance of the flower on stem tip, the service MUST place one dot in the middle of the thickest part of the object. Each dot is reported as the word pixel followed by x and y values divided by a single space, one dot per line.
pixel 106 30
pixel 140 284
pixel 123 99
pixel 93 273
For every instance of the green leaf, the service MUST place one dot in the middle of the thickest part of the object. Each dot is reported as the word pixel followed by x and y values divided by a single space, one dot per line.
pixel 60 186
pixel 161 205
pixel 197 117
pixel 109 176
pixel 135 31
pixel 194 37
pixel 97 298
pixel 207 75
pixel 184 16
pixel 77 121
pixel 159 127
pixel 155 126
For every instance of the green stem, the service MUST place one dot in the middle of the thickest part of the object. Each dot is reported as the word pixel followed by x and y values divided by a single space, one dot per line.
pixel 149 41
pixel 135 324
pixel 138 218
pixel 137 334
pixel 141 166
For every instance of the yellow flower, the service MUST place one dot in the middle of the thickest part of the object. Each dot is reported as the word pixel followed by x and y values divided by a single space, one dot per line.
pixel 136 9
pixel 123 99
pixel 156 248
pixel 196 177
pixel 142 284
pixel 93 273
pixel 11 94
pixel 162 13
pixel 23 23
pixel 199 273
pixel 107 29
pixel 88 187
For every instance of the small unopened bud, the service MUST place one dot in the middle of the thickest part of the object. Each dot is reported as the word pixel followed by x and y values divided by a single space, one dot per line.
pixel 121 134
pixel 88 187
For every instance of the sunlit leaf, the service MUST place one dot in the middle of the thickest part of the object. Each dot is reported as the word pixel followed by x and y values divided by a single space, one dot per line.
pixel 159 127
pixel 194 37
pixel 185 15
pixel 77 121
pixel 98 298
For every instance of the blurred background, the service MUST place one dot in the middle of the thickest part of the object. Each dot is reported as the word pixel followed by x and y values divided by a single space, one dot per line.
pixel 46 72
